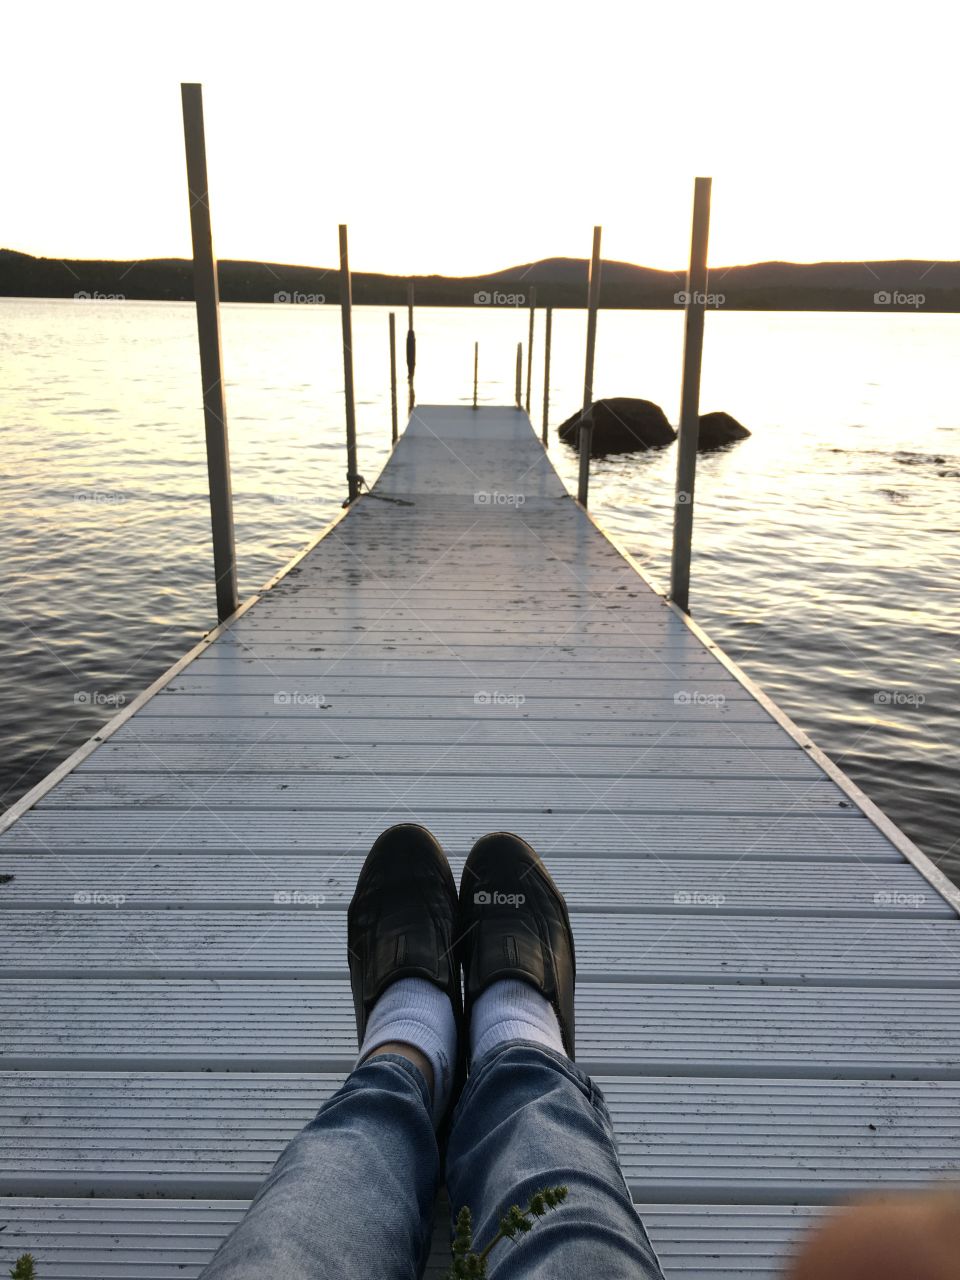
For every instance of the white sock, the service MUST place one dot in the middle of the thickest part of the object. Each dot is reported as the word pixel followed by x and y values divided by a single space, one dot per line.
pixel 414 1011
pixel 512 1010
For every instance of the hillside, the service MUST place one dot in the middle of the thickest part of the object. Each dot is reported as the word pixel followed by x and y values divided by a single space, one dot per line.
pixel 560 282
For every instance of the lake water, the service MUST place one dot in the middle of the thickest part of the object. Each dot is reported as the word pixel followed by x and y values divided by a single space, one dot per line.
pixel 826 546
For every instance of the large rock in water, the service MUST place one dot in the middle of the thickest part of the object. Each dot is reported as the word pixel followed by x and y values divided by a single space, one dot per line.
pixel 718 429
pixel 621 425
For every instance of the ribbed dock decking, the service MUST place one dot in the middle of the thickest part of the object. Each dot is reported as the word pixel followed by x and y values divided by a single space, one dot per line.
pixel 769 986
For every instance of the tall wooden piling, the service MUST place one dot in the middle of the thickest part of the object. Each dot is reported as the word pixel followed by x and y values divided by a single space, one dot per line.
pixel 690 397
pixel 346 305
pixel 586 425
pixel 393 377
pixel 546 371
pixel 207 295
pixel 533 309
pixel 411 349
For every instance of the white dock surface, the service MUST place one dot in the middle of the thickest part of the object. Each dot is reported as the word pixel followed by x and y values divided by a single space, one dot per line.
pixel 769 982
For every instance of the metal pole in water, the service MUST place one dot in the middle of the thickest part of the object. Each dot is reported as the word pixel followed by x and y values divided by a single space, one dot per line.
pixel 519 373
pixel 690 397
pixel 476 370
pixel 546 372
pixel 586 427
pixel 346 302
pixel 393 378
pixel 533 307
pixel 207 293
pixel 411 349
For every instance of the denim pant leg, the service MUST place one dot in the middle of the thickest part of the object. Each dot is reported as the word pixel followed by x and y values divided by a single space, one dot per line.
pixel 529 1118
pixel 352 1196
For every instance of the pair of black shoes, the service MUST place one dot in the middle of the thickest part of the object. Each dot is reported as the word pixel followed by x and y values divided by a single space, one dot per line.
pixel 510 921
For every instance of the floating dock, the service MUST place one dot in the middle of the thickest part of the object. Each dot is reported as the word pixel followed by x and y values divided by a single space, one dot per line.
pixel 769 987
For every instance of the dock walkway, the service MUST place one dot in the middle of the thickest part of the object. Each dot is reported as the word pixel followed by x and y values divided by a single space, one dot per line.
pixel 769 988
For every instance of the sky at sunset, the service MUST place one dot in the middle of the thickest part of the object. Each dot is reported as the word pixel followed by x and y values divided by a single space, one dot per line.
pixel 460 139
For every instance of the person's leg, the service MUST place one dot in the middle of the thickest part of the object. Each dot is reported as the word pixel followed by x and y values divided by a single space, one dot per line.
pixel 529 1118
pixel 353 1193
pixel 352 1196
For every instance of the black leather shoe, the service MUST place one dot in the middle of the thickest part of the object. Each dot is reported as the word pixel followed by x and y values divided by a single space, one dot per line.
pixel 402 921
pixel 514 924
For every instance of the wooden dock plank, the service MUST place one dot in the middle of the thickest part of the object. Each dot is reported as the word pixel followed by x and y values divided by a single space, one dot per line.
pixel 272 1023
pixel 416 731
pixel 352 667
pixel 659 686
pixel 766 1140
pixel 362 654
pixel 697 941
pixel 149 1239
pixel 240 879
pixel 660 708
pixel 461 642
pixel 362 790
pixel 465 710
pixel 761 837
pixel 386 759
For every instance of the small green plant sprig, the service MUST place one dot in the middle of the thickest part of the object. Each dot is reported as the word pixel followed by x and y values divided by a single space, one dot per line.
pixel 470 1265
pixel 24 1268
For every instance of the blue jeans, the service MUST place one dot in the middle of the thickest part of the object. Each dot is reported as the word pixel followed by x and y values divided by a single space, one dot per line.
pixel 352 1196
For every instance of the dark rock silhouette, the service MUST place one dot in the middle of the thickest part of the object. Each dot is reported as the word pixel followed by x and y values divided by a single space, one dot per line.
pixel 621 425
pixel 719 429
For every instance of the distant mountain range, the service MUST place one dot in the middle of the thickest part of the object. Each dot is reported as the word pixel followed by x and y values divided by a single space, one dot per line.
pixel 559 282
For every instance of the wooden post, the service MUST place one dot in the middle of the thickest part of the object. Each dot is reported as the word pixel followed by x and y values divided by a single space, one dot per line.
pixel 533 307
pixel 586 426
pixel 690 397
pixel 476 370
pixel 411 349
pixel 546 372
pixel 346 302
pixel 207 294
pixel 519 375
pixel 393 378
